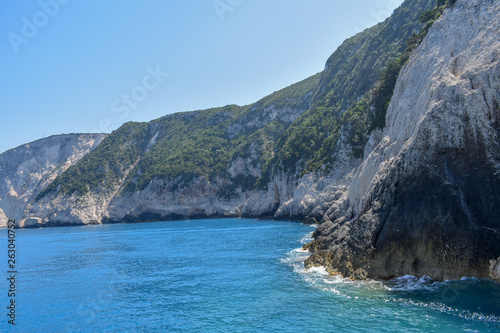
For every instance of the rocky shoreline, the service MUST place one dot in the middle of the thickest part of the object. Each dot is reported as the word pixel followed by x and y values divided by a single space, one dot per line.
pixel 421 198
pixel 426 201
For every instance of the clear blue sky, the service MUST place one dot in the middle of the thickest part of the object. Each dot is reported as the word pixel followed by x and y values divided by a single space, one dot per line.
pixel 67 66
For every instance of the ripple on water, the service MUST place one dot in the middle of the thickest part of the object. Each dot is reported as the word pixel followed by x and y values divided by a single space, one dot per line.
pixel 470 299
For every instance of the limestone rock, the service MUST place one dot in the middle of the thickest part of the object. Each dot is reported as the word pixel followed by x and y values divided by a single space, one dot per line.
pixel 495 269
pixel 28 169
pixel 31 222
pixel 3 219
pixel 426 201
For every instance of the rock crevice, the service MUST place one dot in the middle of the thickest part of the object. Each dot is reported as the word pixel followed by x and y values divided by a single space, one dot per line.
pixel 426 200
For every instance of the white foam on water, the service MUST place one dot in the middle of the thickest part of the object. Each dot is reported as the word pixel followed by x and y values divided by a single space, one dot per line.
pixel 405 278
pixel 424 280
pixel 300 250
pixel 446 289
pixel 469 278
pixel 320 270
pixel 335 279
pixel 306 239
pixel 464 314
pixel 413 283
pixel 318 277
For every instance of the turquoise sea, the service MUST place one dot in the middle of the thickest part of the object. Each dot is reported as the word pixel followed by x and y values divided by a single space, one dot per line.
pixel 220 275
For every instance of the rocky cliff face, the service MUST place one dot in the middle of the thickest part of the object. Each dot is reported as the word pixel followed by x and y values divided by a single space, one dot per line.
pixel 249 161
pixel 421 196
pixel 305 198
pixel 3 219
pixel 175 196
pixel 28 169
pixel 427 198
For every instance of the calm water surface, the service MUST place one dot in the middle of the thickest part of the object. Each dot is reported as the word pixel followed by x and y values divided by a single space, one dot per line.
pixel 225 275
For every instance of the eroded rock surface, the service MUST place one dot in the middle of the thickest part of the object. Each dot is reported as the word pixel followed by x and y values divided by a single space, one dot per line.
pixel 426 201
pixel 28 169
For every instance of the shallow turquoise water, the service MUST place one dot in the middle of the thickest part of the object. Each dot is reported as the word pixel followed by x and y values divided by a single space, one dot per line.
pixel 231 275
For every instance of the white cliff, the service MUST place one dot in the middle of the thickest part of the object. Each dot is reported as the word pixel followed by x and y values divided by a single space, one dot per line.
pixel 426 199
pixel 452 75
pixel 3 219
pixel 423 199
pixel 28 169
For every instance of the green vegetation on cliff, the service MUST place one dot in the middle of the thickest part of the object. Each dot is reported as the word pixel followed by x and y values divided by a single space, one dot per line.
pixel 383 93
pixel 187 145
pixel 106 165
pixel 296 130
pixel 341 104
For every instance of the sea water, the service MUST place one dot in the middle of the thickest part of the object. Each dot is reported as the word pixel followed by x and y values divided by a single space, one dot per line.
pixel 219 275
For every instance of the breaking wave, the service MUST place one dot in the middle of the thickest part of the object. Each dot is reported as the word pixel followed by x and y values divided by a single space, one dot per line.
pixel 469 299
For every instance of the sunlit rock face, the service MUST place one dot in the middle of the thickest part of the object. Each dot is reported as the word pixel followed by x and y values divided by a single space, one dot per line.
pixel 427 198
pixel 28 169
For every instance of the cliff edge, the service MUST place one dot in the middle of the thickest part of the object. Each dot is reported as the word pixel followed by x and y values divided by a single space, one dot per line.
pixel 426 200
pixel 29 168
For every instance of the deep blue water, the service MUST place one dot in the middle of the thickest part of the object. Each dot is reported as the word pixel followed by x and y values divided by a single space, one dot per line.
pixel 232 275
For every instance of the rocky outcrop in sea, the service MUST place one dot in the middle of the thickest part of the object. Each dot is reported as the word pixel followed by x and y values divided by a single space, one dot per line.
pixel 426 200
pixel 419 196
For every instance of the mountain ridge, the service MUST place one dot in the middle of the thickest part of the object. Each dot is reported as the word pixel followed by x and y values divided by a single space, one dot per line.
pixel 371 149
pixel 229 156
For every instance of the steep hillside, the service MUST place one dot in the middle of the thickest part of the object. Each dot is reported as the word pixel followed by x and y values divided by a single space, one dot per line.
pixel 316 154
pixel 341 104
pixel 394 149
pixel 427 198
pixel 189 164
pixel 28 169
pixel 286 156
